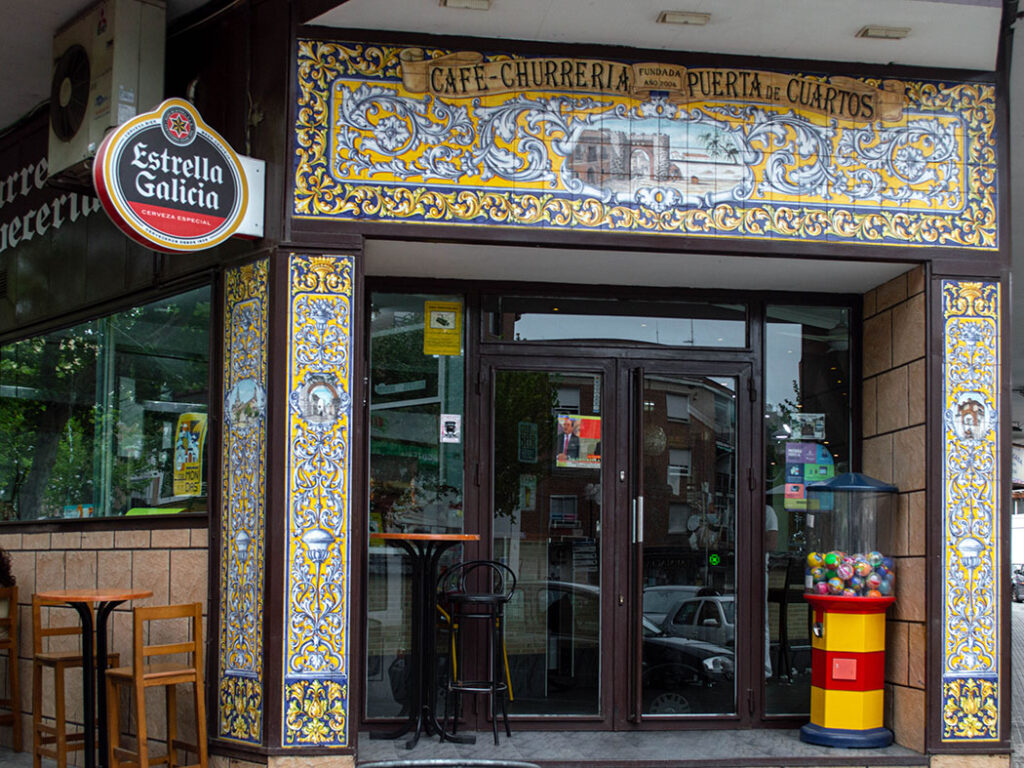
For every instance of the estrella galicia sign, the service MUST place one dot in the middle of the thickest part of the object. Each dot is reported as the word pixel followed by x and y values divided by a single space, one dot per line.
pixel 169 181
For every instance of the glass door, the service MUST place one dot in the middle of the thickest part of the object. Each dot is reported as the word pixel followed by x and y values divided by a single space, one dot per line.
pixel 685 530
pixel 547 472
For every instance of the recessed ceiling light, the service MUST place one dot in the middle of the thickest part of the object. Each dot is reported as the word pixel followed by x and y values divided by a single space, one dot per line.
pixel 877 32
pixel 684 17
pixel 473 5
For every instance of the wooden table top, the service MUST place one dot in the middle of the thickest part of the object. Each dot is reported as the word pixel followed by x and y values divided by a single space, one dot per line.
pixel 425 536
pixel 94 595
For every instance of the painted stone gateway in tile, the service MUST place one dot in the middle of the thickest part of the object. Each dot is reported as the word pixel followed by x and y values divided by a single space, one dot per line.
pixel 317 550
pixel 244 467
pixel 403 134
pixel 971 502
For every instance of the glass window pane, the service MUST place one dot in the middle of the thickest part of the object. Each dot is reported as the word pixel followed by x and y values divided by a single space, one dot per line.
pixel 110 414
pixel 807 438
pixel 665 323
pixel 416 395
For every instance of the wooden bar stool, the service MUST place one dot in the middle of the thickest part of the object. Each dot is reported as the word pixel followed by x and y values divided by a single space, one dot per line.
pixel 145 673
pixel 9 643
pixel 54 741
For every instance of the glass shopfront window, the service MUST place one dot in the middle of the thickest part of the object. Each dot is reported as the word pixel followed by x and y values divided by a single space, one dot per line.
pixel 109 416
pixel 417 370
pixel 807 439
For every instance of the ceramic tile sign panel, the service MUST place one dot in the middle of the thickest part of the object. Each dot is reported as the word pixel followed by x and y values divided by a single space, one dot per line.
pixel 244 459
pixel 972 645
pixel 404 134
pixel 317 548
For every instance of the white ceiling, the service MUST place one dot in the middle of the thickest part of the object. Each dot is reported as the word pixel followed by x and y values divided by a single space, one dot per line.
pixel 944 33
pixel 584 266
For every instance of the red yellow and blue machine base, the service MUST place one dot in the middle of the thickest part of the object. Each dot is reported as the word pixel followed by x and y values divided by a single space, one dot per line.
pixel 847 672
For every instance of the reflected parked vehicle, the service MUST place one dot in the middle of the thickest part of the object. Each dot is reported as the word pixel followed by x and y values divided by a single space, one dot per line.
pixel 682 676
pixel 711 618
pixel 1017 583
pixel 659 600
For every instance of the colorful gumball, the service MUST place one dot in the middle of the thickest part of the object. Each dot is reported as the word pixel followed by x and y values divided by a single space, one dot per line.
pixel 818 574
pixel 848 592
pixel 856 582
pixel 885 587
pixel 844 571
pixel 875 558
pixel 887 562
pixel 862 568
pixel 832 559
pixel 815 559
pixel 821 587
pixel 874 593
pixel 873 581
pixel 835 586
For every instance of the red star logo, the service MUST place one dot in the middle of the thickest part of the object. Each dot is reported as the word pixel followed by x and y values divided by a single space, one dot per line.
pixel 178 125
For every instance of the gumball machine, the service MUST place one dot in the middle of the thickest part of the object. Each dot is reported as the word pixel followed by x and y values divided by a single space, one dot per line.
pixel 850 582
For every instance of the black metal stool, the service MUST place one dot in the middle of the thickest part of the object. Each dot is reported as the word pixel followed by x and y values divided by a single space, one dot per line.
pixel 486 604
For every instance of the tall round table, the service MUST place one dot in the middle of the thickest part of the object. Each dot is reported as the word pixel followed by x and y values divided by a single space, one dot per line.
pixel 94 661
pixel 425 550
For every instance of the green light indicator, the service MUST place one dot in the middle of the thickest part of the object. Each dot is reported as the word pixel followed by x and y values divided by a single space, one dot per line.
pixel 714 559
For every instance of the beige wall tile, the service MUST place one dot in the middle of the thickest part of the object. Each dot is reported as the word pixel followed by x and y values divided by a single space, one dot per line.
pixel 891 293
pixel 892 533
pixel 908 715
pixel 236 763
pixel 918 396
pixel 878 457
pixel 915 281
pixel 917 527
pixel 910 596
pixel 23 566
pixel 37 542
pixel 10 541
pixel 98 540
pixel 50 571
pixel 870 409
pixel 970 761
pixel 908 319
pixel 200 537
pixel 131 539
pixel 917 643
pixel 66 540
pixel 870 303
pixel 188 576
pixel 322 761
pixel 908 459
pixel 150 570
pixel 81 565
pixel 892 403
pixel 113 568
pixel 896 649
pixel 170 538
pixel 878 344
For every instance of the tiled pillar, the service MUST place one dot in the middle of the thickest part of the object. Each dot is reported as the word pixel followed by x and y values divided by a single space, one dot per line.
pixel 972 494
pixel 317 550
pixel 240 644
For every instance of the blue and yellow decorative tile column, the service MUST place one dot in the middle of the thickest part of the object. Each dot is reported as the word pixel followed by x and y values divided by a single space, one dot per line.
pixel 316 621
pixel 243 493
pixel 972 484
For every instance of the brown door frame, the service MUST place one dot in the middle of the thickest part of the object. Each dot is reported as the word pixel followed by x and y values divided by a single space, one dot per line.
pixel 620 619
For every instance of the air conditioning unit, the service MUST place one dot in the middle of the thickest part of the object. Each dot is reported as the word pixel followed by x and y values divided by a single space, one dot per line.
pixel 108 65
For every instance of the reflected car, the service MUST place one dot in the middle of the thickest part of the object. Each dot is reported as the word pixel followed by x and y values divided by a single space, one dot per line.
pixel 711 618
pixel 682 676
pixel 1017 583
pixel 659 600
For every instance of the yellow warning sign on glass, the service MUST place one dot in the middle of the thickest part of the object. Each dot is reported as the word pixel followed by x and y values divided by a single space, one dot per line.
pixel 442 328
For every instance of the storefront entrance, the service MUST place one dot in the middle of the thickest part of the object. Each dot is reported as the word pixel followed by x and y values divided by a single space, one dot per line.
pixel 626 457
pixel 615 498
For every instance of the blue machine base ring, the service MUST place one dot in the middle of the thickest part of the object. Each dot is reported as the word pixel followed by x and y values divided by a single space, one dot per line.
pixel 871 738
